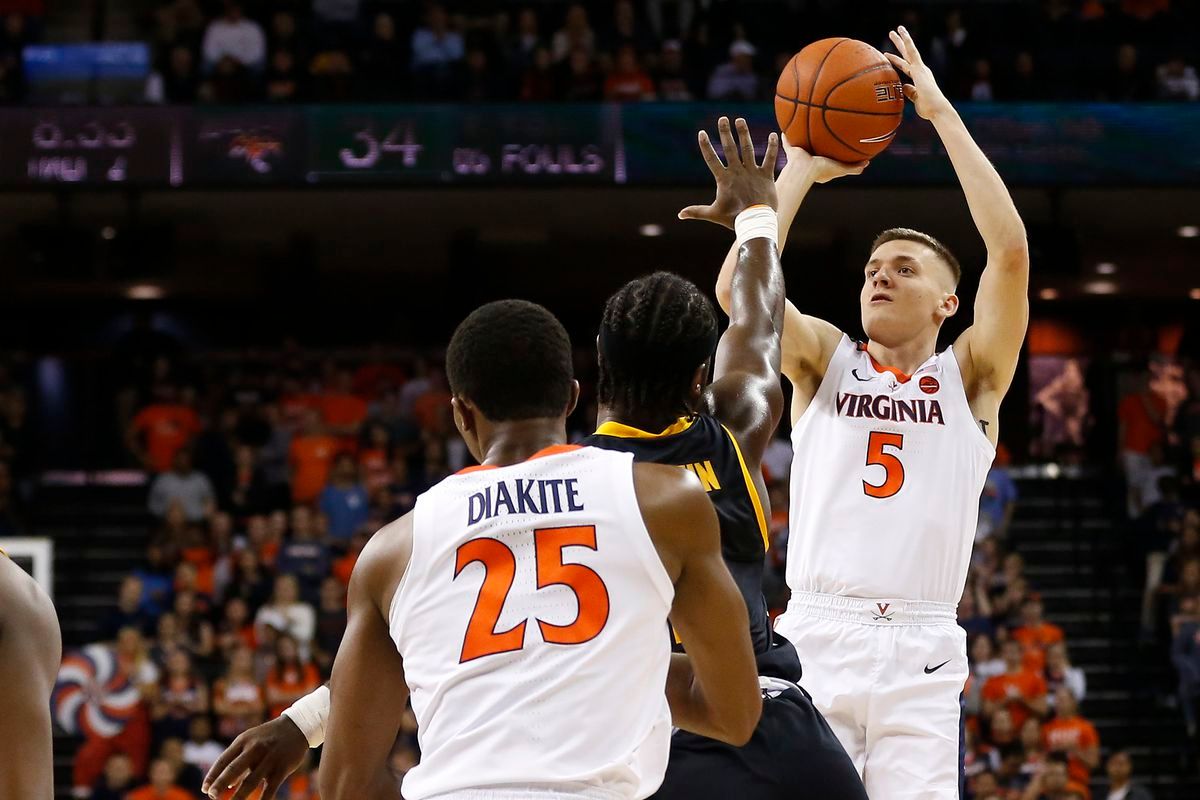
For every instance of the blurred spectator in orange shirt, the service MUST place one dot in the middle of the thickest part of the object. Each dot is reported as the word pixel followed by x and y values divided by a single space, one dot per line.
pixel 291 678
pixel 237 699
pixel 373 458
pixel 162 785
pixel 628 81
pixel 377 376
pixel 430 409
pixel 1072 735
pixel 160 429
pixel 1021 692
pixel 311 455
pixel 342 409
pixel 1035 634
pixel 345 565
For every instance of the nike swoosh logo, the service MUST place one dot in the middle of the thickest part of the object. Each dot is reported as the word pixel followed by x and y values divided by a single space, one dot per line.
pixel 854 372
pixel 929 671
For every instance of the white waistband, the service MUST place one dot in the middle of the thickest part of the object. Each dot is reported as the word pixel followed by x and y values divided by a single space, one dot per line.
pixel 873 611
pixel 555 792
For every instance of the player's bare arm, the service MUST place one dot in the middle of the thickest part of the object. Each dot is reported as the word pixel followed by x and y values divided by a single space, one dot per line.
pixel 808 342
pixel 368 692
pixel 716 694
pixel 30 653
pixel 987 351
pixel 274 750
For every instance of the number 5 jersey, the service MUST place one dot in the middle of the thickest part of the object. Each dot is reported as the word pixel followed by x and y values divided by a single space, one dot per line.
pixel 886 476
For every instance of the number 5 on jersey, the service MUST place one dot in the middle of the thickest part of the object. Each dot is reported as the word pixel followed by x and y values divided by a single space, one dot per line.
pixel 893 480
pixel 500 569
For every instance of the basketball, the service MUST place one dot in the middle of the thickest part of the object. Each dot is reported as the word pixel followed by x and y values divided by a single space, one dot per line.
pixel 840 98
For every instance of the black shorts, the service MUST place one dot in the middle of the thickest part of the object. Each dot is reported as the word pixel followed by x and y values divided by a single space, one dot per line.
pixel 793 755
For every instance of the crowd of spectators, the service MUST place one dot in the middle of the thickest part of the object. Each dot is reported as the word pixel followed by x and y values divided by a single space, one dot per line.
pixel 268 472
pixel 265 483
pixel 290 51
pixel 341 50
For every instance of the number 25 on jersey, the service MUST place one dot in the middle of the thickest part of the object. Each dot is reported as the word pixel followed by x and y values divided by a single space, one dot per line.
pixel 500 568
pixel 893 480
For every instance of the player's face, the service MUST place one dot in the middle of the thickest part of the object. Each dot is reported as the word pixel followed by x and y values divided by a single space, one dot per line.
pixel 906 290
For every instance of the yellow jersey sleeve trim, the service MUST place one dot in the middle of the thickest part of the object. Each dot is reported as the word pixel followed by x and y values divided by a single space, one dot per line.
pixel 754 498
pixel 622 431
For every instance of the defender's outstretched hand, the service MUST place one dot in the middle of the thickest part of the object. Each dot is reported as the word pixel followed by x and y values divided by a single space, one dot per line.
pixel 926 96
pixel 741 184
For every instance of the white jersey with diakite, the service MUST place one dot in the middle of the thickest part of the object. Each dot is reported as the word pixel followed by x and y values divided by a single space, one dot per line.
pixel 532 622
pixel 886 477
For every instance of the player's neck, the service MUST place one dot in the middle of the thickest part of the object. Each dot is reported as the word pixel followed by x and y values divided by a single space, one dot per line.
pixel 650 423
pixel 906 357
pixel 515 441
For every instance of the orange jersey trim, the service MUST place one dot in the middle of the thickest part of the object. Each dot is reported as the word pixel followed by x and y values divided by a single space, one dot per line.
pixel 903 377
pixel 552 450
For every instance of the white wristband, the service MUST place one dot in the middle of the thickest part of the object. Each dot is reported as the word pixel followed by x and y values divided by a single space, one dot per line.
pixel 757 222
pixel 310 713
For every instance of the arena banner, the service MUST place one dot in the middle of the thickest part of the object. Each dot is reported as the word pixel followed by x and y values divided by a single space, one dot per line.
pixel 647 144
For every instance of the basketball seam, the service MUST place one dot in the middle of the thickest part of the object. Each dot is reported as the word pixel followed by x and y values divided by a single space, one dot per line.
pixel 837 108
pixel 833 133
pixel 849 78
pixel 812 87
pixel 795 106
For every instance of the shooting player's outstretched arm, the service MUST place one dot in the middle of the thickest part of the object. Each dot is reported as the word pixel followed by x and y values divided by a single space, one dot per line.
pixel 989 349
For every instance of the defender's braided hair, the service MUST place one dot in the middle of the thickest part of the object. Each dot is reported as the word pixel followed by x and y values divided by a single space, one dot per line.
pixel 655 332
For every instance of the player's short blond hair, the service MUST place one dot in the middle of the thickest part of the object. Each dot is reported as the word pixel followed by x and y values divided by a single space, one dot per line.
pixel 910 235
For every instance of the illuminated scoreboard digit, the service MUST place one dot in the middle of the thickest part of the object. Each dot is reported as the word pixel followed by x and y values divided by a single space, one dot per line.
pixel 90 147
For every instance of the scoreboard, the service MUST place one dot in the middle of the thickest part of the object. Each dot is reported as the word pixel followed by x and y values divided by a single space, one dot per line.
pixel 576 144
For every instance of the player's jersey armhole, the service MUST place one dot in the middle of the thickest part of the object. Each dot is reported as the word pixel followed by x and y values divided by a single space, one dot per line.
pixel 950 361
pixel 752 490
pixel 829 381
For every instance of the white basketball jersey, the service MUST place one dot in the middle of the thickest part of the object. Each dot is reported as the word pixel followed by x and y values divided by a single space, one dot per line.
pixel 532 622
pixel 886 476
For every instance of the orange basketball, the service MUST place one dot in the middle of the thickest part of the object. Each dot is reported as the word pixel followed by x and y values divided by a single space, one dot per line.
pixel 840 98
